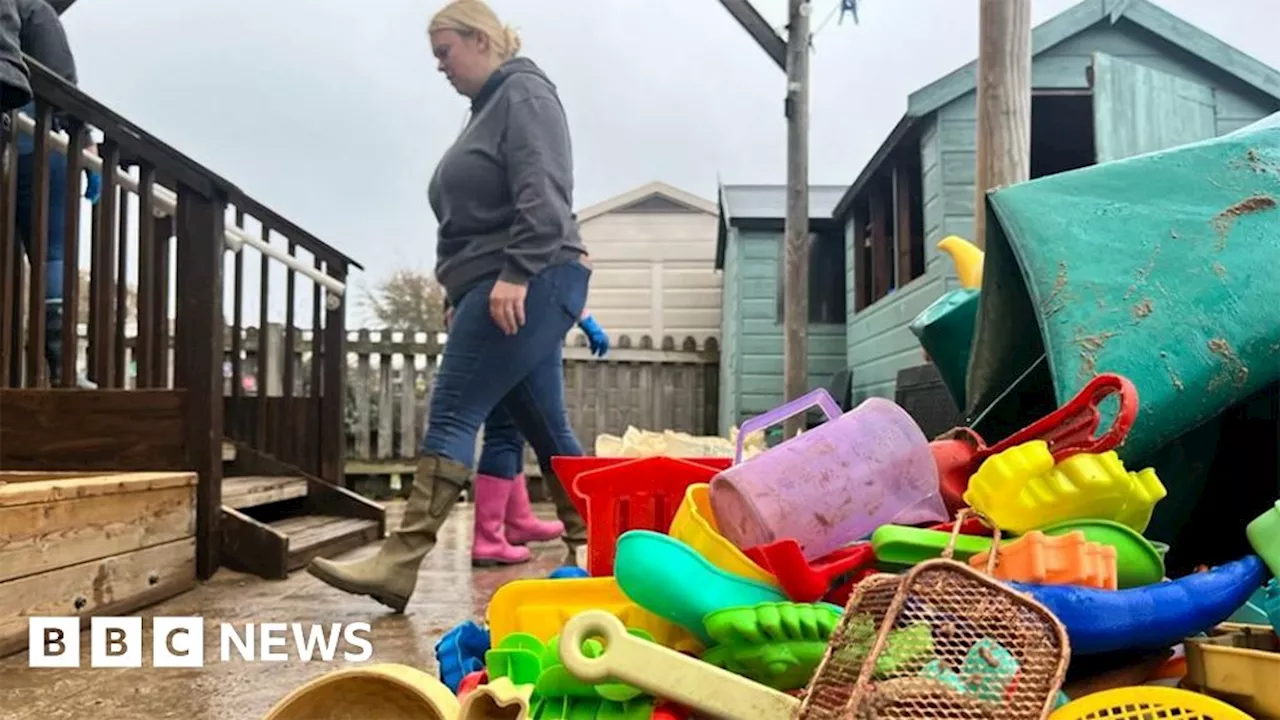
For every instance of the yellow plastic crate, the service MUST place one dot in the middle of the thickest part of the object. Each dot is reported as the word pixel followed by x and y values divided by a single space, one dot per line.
pixel 1239 664
pixel 1147 703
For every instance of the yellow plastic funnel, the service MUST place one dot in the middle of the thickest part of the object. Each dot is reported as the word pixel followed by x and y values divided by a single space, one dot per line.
pixel 967 258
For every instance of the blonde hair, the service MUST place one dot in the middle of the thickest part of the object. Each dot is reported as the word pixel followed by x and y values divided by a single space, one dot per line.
pixel 472 16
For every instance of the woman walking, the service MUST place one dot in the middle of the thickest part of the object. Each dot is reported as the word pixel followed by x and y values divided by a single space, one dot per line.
pixel 511 260
pixel 504 519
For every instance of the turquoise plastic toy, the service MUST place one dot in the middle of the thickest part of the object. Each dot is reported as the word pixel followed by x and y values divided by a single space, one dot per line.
pixel 1252 612
pixel 671 580
pixel 1271 603
pixel 986 673
pixel 989 669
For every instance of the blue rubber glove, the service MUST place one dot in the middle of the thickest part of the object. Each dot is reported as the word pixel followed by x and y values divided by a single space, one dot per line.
pixel 595 336
pixel 93 188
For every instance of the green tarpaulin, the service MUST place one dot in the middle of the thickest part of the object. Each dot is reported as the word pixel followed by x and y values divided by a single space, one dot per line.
pixel 1163 267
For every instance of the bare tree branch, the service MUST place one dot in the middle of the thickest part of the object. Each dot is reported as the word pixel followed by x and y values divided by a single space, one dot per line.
pixel 408 300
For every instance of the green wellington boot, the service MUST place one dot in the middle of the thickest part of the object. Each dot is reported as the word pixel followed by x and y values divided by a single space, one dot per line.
pixel 390 575
pixel 575 528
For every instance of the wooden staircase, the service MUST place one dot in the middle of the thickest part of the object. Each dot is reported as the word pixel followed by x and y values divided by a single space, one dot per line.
pixel 276 518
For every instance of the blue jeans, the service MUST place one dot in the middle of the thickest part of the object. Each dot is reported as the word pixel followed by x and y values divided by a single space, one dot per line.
pixel 502 452
pixel 56 214
pixel 520 376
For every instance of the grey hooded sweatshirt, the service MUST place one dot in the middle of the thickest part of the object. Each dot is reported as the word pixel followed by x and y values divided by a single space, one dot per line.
pixel 503 193
pixel 44 38
pixel 15 78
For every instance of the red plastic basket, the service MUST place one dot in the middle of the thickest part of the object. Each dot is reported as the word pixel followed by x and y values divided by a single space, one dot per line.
pixel 639 494
pixel 568 469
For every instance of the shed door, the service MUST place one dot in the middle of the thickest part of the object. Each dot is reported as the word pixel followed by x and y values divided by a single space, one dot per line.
pixel 1138 110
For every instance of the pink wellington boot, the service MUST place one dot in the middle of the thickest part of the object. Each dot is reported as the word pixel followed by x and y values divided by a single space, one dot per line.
pixel 489 545
pixel 523 527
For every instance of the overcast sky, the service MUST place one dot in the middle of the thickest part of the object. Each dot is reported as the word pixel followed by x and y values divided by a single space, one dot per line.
pixel 331 112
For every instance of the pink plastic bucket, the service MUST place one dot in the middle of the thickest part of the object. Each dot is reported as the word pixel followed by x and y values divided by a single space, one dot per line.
pixel 832 485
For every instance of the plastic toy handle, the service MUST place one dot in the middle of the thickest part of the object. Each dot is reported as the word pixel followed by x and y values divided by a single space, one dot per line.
pixel 1070 429
pixel 709 691
pixel 819 397
pixel 804 581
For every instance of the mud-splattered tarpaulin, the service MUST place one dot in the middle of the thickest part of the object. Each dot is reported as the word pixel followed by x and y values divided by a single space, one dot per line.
pixel 1160 267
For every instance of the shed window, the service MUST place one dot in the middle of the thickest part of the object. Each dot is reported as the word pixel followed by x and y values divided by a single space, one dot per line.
pixel 826 278
pixel 888 227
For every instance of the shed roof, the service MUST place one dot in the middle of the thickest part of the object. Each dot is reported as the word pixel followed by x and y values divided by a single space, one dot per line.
pixel 649 190
pixel 1056 30
pixel 767 202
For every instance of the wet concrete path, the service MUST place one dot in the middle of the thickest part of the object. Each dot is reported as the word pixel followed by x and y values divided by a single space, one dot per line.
pixel 449 591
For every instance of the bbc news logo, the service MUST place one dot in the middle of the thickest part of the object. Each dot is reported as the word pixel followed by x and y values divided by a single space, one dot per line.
pixel 178 642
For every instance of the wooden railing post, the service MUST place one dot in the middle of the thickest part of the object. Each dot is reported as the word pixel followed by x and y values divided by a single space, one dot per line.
pixel 198 359
pixel 38 249
pixel 333 445
pixel 10 263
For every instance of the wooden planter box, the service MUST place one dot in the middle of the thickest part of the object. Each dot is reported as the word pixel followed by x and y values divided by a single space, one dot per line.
pixel 86 544
pixel 1238 664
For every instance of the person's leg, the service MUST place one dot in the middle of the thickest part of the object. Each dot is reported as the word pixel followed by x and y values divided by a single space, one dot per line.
pixel 538 407
pixel 481 364
pixel 54 260
pixel 23 150
pixel 503 457
pixel 500 459
pixel 55 217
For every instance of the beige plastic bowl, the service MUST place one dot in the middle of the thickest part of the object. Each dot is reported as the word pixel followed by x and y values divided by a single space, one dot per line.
pixel 1240 664
pixel 384 691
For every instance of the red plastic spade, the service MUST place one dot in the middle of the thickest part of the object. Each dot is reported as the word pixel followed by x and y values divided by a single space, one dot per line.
pixel 1068 430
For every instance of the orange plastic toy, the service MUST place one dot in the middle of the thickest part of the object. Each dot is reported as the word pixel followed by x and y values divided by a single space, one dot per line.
pixel 1067 559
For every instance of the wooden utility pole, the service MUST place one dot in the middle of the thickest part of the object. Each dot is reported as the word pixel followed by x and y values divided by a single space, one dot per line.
pixel 793 58
pixel 1004 102
pixel 795 287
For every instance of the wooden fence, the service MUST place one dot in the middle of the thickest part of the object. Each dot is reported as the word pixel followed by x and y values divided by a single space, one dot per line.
pixel 665 387
pixel 389 376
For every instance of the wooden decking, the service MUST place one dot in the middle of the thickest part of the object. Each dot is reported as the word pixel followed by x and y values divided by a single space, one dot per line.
pixel 91 544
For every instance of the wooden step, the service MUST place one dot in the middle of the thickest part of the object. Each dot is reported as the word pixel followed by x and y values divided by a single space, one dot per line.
pixel 323 536
pixel 274 549
pixel 276 517
pixel 248 491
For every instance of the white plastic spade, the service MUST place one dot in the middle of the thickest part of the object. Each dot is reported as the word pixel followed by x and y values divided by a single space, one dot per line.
pixel 712 693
